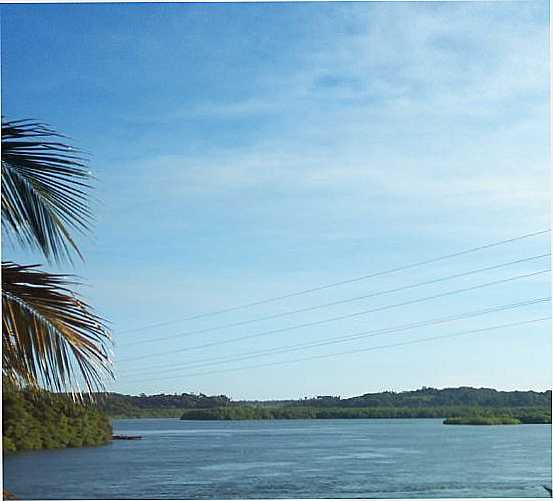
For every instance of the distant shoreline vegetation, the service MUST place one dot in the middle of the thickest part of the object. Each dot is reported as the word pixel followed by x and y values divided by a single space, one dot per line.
pixel 459 415
pixel 463 402
pixel 483 420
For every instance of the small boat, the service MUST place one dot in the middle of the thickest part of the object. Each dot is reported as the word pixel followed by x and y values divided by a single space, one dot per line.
pixel 126 437
pixel 548 489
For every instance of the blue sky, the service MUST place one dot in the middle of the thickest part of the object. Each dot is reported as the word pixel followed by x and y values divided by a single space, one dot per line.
pixel 245 151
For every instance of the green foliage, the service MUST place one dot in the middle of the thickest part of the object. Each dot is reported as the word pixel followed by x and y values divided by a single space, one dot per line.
pixel 431 397
pixel 231 413
pixel 533 416
pixel 526 406
pixel 151 406
pixel 240 412
pixel 42 420
pixel 482 420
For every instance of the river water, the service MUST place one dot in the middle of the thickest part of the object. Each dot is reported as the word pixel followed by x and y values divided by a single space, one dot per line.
pixel 357 458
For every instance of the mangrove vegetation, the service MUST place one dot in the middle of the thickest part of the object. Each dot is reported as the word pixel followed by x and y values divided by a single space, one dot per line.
pixel 42 420
pixel 483 420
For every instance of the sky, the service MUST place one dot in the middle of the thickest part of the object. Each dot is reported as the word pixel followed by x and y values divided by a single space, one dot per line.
pixel 248 151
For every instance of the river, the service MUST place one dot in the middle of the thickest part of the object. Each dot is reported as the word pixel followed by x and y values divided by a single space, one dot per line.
pixel 347 458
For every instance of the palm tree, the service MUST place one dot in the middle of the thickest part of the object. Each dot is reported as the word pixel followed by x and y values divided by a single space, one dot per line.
pixel 50 339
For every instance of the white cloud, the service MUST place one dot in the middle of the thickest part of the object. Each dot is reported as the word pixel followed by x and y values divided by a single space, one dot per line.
pixel 416 110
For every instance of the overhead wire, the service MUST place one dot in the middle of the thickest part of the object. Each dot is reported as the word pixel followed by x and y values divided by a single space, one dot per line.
pixel 358 350
pixel 341 339
pixel 335 284
pixel 336 303
pixel 336 318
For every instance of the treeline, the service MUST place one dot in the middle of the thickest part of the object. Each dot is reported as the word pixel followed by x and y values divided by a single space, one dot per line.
pixel 432 397
pixel 161 405
pixel 426 402
pixel 483 420
pixel 243 412
pixel 33 420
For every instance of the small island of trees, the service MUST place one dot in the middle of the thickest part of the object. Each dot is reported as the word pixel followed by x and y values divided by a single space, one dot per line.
pixel 483 420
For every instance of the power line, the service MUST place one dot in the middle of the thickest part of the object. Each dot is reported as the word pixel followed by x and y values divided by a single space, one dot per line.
pixel 335 284
pixel 333 319
pixel 361 350
pixel 374 332
pixel 341 339
pixel 335 303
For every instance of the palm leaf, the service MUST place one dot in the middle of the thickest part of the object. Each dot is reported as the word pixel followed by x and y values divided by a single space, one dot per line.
pixel 45 189
pixel 50 337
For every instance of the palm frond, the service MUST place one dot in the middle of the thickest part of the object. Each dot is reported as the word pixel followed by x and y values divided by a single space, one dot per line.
pixel 50 337
pixel 45 186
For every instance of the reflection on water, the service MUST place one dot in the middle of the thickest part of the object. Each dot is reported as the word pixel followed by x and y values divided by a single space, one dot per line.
pixel 293 459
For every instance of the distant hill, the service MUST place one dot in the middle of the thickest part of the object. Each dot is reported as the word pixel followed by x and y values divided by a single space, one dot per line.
pixel 431 397
pixel 422 402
